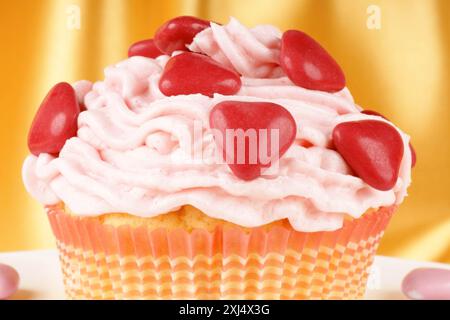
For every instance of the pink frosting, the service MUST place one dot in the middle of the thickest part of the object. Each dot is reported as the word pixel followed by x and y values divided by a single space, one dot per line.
pixel 253 53
pixel 140 152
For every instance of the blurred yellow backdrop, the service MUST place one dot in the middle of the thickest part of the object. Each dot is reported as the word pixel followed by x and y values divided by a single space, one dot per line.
pixel 400 69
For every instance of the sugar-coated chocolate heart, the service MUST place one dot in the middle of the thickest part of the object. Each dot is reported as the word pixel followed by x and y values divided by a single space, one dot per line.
pixel 9 281
pixel 178 32
pixel 144 48
pixel 55 121
pixel 190 73
pixel 257 149
pixel 373 149
pixel 411 148
pixel 427 284
pixel 308 64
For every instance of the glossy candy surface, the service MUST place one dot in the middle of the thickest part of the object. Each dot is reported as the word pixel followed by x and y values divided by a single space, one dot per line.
pixel 144 48
pixel 373 149
pixel 9 281
pixel 308 64
pixel 247 159
pixel 411 148
pixel 55 121
pixel 176 33
pixel 427 284
pixel 190 73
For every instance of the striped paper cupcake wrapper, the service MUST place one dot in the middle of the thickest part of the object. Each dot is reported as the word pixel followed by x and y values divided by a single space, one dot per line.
pixel 104 262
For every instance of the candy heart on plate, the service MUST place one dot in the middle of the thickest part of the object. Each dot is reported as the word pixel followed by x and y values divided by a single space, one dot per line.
pixel 9 281
pixel 308 64
pixel 178 32
pixel 252 135
pixel 55 121
pixel 144 48
pixel 373 149
pixel 190 73
pixel 427 284
pixel 411 148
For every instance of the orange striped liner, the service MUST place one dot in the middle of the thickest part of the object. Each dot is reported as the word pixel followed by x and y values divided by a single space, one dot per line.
pixel 104 262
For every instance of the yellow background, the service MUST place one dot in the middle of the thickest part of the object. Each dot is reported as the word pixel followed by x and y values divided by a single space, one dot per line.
pixel 401 70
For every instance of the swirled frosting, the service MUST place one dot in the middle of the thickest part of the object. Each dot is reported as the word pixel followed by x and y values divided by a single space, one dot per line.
pixel 140 152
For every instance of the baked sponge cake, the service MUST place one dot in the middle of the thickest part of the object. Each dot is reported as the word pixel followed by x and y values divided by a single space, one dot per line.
pixel 216 162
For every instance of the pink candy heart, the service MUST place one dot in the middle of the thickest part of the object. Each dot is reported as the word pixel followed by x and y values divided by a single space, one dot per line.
pixel 9 281
pixel 427 284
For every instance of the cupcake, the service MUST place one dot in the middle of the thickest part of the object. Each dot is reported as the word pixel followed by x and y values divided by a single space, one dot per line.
pixel 216 162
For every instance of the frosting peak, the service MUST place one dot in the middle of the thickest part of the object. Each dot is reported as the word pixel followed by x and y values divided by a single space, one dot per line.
pixel 252 53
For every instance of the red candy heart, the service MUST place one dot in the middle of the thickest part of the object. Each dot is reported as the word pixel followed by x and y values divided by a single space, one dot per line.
pixel 373 113
pixel 144 48
pixel 175 34
pixel 190 73
pixel 246 159
pixel 55 121
pixel 309 65
pixel 411 148
pixel 413 155
pixel 373 149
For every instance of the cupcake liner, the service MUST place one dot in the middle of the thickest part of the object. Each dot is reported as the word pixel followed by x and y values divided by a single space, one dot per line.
pixel 105 262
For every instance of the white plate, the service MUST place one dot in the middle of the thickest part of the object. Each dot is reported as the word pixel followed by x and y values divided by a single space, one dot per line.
pixel 41 277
